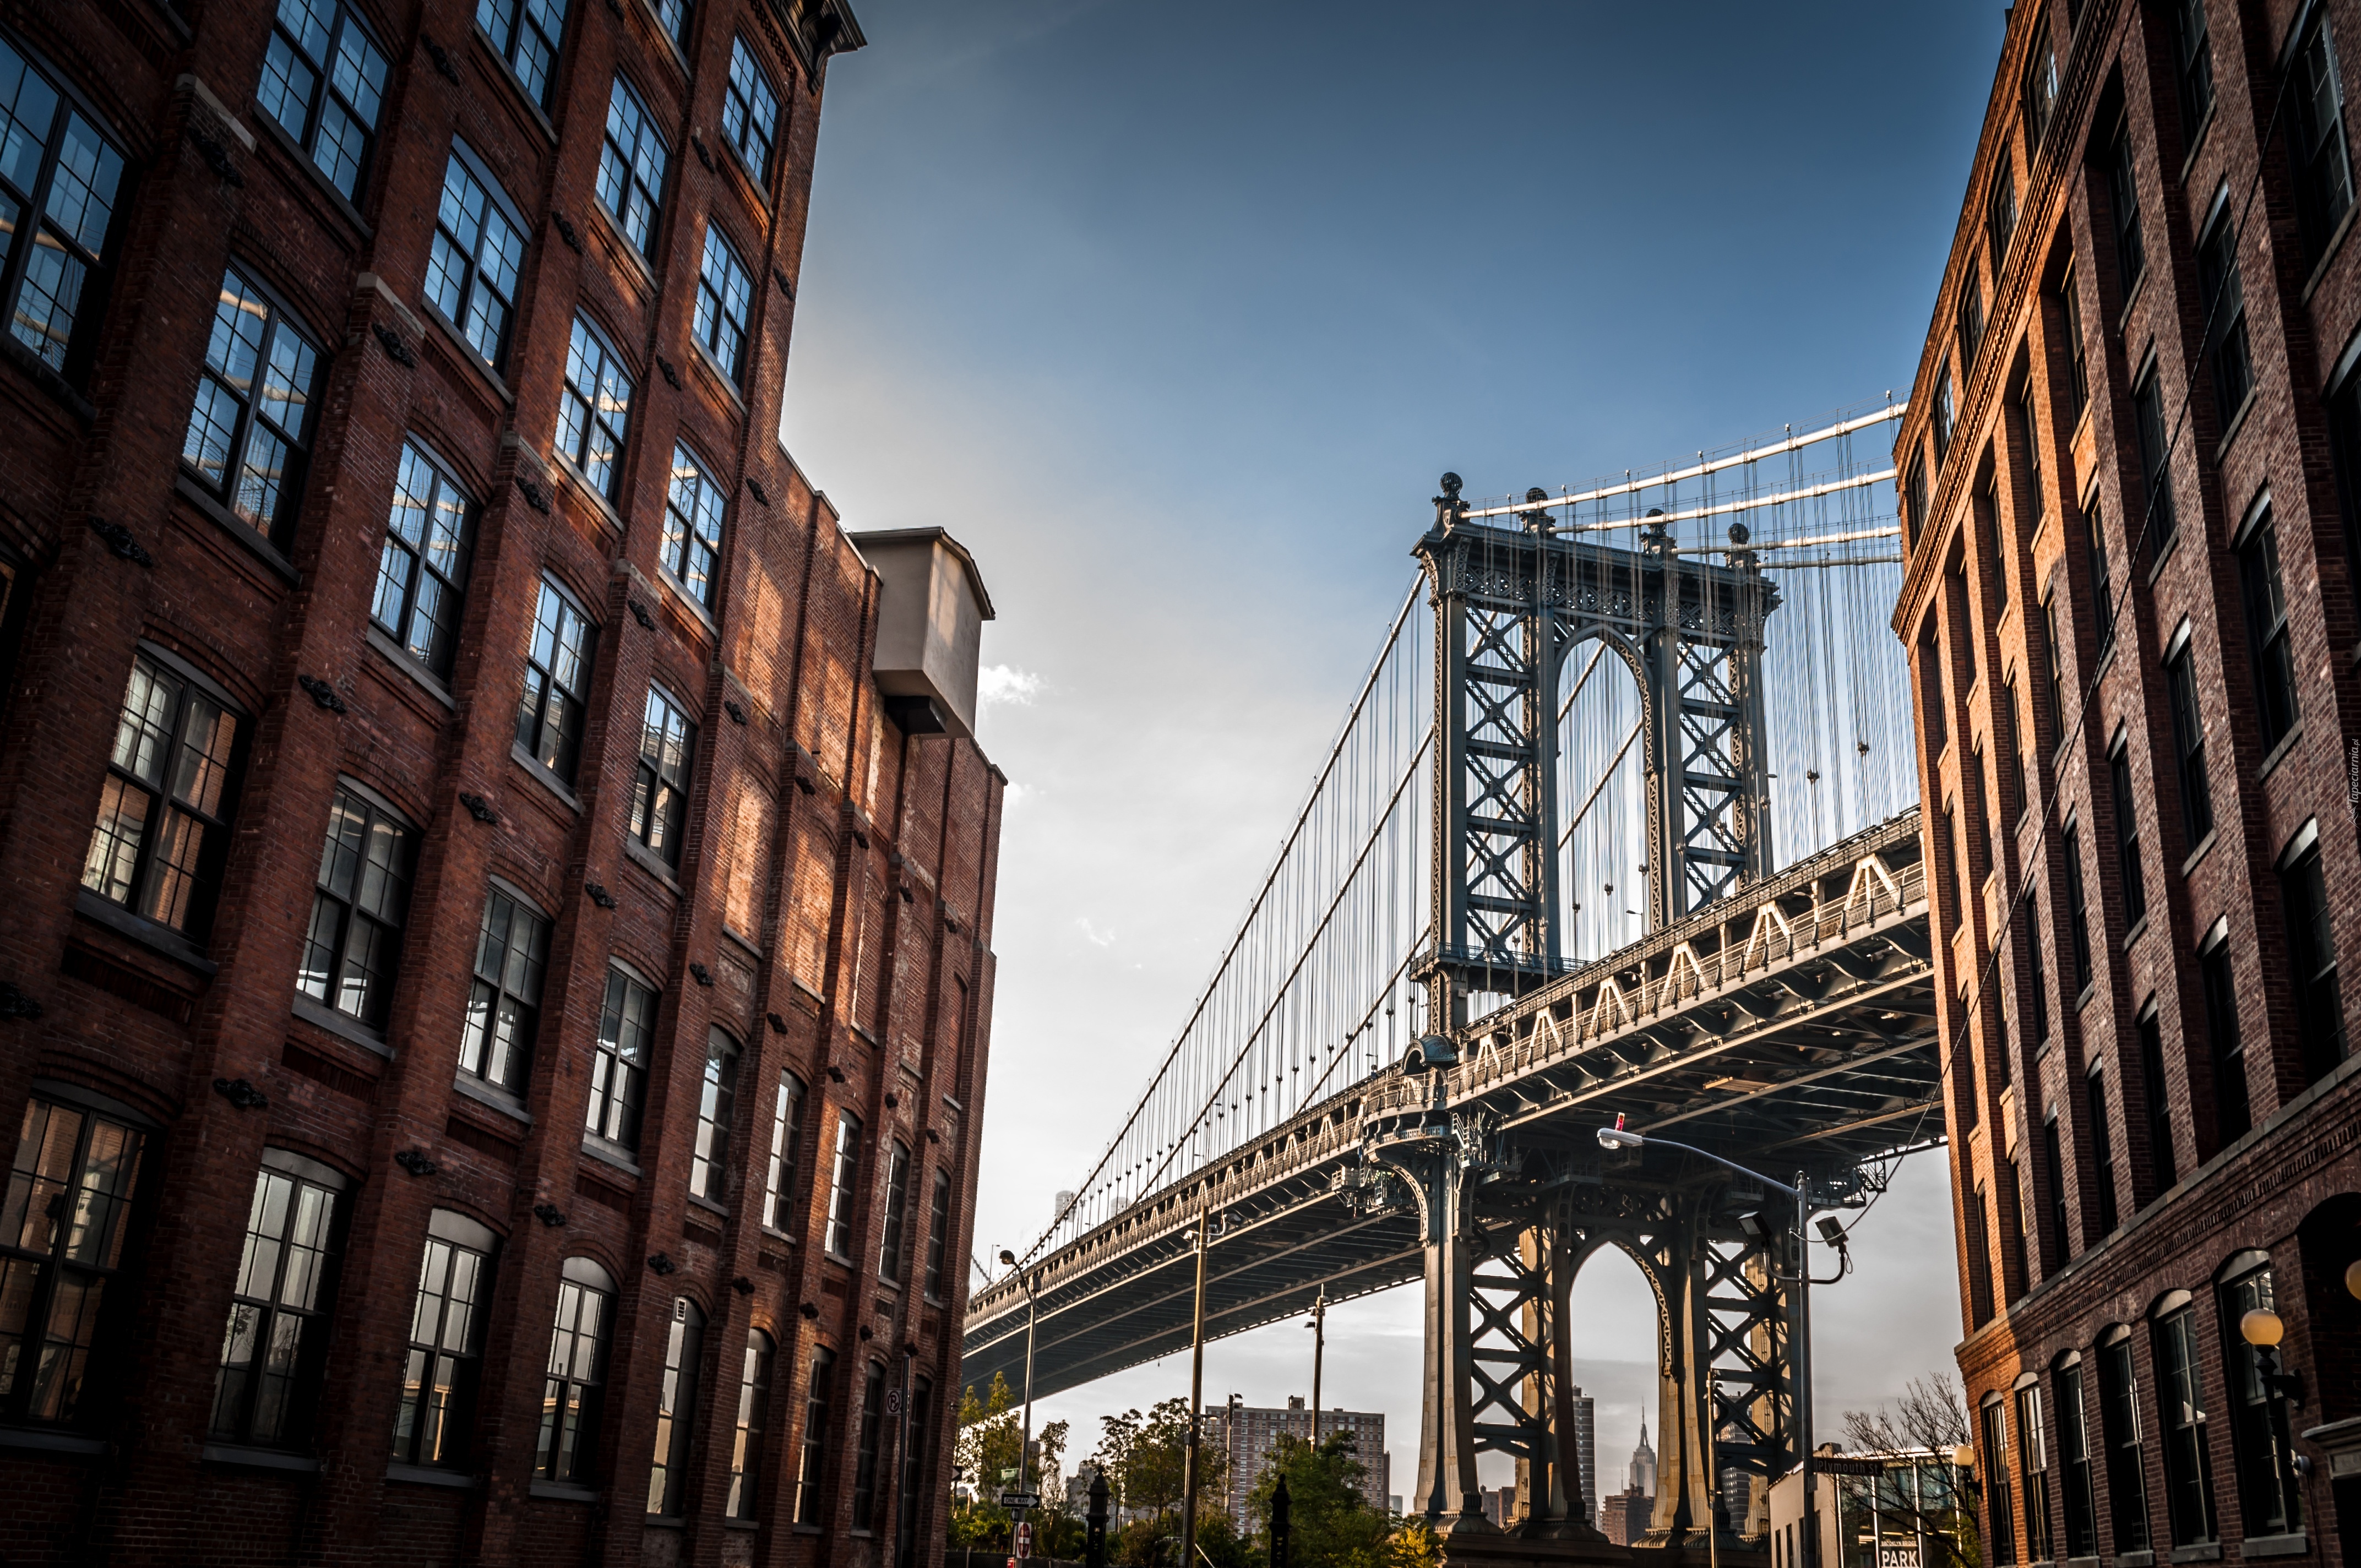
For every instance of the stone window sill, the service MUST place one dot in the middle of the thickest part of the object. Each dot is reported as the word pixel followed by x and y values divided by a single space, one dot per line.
pixel 398 657
pixel 2197 141
pixel 2136 1560
pixel 467 351
pixel 428 1476
pixel 709 1206
pixel 2234 423
pixel 2278 753
pixel 2328 252
pixel 564 463
pixel 259 1458
pixel 677 590
pixel 150 934
pixel 2294 1545
pixel 2204 848
pixel 566 1491
pixel 721 377
pixel 543 776
pixel 2205 1551
pixel 33 1439
pixel 612 1153
pixel 322 1017
pixel 337 199
pixel 483 1095
pixel 623 244
pixel 648 861
pixel 507 73
pixel 263 550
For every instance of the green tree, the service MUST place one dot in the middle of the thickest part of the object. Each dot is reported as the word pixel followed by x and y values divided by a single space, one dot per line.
pixel 1332 1524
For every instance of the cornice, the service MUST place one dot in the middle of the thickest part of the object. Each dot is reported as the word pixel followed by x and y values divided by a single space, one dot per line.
pixel 2042 193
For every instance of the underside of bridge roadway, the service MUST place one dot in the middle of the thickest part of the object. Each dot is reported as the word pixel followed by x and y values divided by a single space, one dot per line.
pixel 1789 1027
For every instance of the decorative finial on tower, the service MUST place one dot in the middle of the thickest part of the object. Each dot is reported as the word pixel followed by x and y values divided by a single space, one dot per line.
pixel 1448 508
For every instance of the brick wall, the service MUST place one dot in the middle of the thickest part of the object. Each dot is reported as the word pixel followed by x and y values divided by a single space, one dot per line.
pixel 2169 128
pixel 829 909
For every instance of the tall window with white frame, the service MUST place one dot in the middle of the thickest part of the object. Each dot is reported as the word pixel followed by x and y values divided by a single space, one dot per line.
pixel 2189 739
pixel 753 1415
pixel 2102 583
pixel 2120 1405
pixel 717 1110
pixel 898 1199
pixel 163 811
pixel 843 1186
pixel 504 1003
pixel 62 1238
pixel 354 942
pixel 692 526
pixel 1947 414
pixel 2076 1491
pixel 2103 1147
pixel 632 158
pixel 250 426
pixel 2323 159
pixel 422 570
pixel 574 1389
pixel 54 162
pixel 2181 1409
pixel 2000 1513
pixel 556 682
pixel 274 1352
pixel 2000 214
pixel 2224 302
pixel 673 17
pixel 725 304
pixel 2123 196
pixel 2069 310
pixel 750 113
pixel 2161 525
pixel 2232 1109
pixel 439 1375
pixel 2039 94
pixel 1971 319
pixel 660 791
pixel 619 1059
pixel 594 411
pixel 779 1186
pixel 526 34
pixel 2311 956
pixel 2125 805
pixel 811 1470
pixel 477 261
pixel 677 1410
pixel 939 1230
pixel 2077 909
pixel 2157 1095
pixel 323 84
pixel 2270 648
pixel 2033 1465
pixel 867 1444
pixel 2193 61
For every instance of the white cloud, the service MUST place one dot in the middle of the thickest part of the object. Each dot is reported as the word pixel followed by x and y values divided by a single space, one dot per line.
pixel 1005 683
pixel 1092 935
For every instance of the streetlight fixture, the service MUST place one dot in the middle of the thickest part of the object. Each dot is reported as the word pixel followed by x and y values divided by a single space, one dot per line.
pixel 1025 1443
pixel 1619 1137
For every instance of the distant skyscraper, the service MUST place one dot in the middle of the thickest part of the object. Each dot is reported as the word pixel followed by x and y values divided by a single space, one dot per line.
pixel 1641 1477
pixel 1057 1208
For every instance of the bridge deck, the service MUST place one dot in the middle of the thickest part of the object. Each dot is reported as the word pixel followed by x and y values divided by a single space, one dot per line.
pixel 1792 1025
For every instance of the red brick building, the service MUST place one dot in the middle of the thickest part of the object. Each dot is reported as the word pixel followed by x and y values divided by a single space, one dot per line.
pixel 2132 502
pixel 496 967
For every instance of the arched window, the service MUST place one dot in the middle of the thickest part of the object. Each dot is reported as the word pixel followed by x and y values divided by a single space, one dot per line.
pixel 572 1393
pixel 708 1163
pixel 753 1408
pixel 676 1407
pixel 897 1200
pixel 275 1348
pixel 438 1383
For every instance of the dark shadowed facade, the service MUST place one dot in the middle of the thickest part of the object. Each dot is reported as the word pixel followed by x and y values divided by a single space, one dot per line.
pixel 495 973
pixel 2132 493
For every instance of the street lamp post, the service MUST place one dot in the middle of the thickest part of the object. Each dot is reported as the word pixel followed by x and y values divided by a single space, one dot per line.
pixel 1189 1469
pixel 1620 1138
pixel 1025 1443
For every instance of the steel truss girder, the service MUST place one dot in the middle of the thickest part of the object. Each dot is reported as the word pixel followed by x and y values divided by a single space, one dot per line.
pixel 1509 608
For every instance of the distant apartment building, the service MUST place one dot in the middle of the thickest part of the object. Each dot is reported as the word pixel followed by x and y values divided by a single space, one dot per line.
pixel 2131 503
pixel 1243 1435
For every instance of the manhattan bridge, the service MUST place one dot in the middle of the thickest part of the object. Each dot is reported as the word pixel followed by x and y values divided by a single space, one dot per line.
pixel 1621 823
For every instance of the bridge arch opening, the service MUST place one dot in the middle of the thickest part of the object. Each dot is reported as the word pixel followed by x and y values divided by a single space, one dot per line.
pixel 1602 804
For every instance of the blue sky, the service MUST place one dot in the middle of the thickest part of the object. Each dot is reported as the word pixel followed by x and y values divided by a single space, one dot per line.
pixel 1173 314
